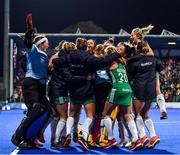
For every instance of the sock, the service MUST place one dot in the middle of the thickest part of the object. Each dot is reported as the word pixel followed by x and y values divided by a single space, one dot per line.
pixel 140 127
pixel 132 115
pixel 150 126
pixel 108 126
pixel 59 128
pixel 133 130
pixel 126 129
pixel 54 123
pixel 161 103
pixel 102 126
pixel 86 127
pixel 69 125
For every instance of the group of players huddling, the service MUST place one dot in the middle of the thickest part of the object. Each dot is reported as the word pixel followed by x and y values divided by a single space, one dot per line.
pixel 111 82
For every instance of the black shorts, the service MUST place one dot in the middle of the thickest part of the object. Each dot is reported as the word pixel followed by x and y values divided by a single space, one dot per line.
pixel 83 90
pixel 57 92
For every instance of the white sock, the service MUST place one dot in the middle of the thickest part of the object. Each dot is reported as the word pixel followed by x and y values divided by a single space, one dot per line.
pixel 150 126
pixel 161 102
pixel 69 125
pixel 102 125
pixel 53 128
pixel 108 126
pixel 60 126
pixel 86 127
pixel 132 115
pixel 133 130
pixel 140 127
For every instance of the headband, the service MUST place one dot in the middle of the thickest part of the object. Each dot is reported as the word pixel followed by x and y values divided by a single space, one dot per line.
pixel 41 41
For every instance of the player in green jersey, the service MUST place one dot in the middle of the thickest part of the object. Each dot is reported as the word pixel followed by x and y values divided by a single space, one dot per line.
pixel 120 95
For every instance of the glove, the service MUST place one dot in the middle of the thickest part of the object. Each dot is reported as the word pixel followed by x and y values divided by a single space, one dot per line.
pixel 29 23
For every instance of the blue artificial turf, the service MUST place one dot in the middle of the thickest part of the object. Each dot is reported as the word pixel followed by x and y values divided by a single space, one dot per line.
pixel 168 131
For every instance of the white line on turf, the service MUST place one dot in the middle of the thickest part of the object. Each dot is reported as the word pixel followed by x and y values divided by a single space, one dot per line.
pixel 14 152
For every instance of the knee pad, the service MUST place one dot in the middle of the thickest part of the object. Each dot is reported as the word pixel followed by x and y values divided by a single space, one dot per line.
pixel 31 124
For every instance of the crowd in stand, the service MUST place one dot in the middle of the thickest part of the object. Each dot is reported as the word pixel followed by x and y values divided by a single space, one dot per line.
pixel 170 80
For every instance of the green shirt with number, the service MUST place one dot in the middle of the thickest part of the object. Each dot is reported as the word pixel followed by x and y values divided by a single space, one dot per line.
pixel 121 92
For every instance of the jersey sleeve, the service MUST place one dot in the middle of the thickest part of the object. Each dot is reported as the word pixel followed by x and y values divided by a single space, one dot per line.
pixel 95 63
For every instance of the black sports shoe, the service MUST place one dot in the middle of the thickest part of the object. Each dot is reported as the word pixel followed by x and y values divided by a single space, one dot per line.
pixel 57 145
pixel 25 146
pixel 163 115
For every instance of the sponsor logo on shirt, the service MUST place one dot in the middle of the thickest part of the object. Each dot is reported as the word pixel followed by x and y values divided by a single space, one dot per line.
pixel 146 64
pixel 126 90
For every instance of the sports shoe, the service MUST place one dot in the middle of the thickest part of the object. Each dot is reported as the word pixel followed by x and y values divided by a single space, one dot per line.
pixel 144 140
pixel 153 141
pixel 94 144
pixel 37 144
pixel 89 139
pixel 75 137
pixel 163 115
pixel 110 143
pixel 58 145
pixel 40 137
pixel 135 145
pixel 124 144
pixel 83 144
pixel 103 139
pixel 25 146
pixel 67 141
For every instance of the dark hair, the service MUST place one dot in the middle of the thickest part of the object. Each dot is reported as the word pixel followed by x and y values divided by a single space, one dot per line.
pixel 94 41
pixel 130 51
pixel 81 43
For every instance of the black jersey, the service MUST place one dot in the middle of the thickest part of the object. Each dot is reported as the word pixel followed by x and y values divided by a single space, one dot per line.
pixel 78 67
pixel 80 63
pixel 142 74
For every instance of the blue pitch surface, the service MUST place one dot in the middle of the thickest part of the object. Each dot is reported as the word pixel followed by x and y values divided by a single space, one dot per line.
pixel 168 131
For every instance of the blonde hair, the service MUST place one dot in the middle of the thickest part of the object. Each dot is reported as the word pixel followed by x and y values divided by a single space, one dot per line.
pixel 99 49
pixel 68 47
pixel 110 49
pixel 143 47
pixel 60 46
pixel 37 38
pixel 141 32
pixel 73 45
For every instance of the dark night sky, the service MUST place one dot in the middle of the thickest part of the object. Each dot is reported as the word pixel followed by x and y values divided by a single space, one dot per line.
pixel 55 15
pixel 52 16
